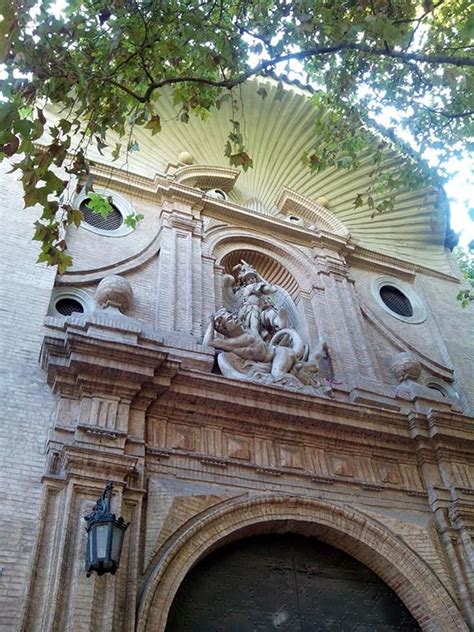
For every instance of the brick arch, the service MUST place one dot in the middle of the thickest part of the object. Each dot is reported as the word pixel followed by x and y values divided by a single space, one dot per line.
pixel 367 540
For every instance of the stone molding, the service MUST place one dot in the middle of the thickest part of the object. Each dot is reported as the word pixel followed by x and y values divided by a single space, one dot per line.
pixel 357 254
pixel 207 177
pixel 289 202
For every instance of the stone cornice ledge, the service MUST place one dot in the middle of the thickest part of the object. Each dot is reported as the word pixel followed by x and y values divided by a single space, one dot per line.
pixel 166 188
pixel 225 397
pixel 233 396
pixel 86 463
pixel 109 352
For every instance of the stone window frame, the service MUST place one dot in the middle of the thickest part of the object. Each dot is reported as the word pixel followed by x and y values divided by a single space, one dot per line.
pixel 120 203
pixel 75 294
pixel 419 310
pixel 217 194
pixel 442 387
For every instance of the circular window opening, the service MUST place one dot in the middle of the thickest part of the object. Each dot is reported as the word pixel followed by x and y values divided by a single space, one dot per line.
pixel 68 306
pixel 435 387
pixel 396 301
pixel 217 194
pixel 113 221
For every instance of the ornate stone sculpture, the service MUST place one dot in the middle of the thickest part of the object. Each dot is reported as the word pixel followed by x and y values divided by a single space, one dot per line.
pixel 114 292
pixel 254 340
pixel 406 367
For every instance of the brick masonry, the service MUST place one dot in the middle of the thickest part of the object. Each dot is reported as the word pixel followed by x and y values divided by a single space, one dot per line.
pixel 198 459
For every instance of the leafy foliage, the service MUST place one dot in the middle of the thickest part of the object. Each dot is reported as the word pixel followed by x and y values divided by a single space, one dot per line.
pixel 106 62
pixel 465 261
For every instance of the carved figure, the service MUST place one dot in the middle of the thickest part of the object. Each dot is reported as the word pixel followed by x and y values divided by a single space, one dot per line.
pixel 254 342
pixel 257 310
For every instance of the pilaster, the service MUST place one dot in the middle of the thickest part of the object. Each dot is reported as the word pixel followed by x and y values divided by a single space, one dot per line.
pixel 179 284
pixel 105 372
pixel 338 305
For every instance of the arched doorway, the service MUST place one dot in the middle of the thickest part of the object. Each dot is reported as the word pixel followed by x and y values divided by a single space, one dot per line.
pixel 286 582
pixel 350 530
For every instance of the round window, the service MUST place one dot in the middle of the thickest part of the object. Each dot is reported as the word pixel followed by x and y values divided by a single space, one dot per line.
pixel 435 387
pixel 67 301
pixel 67 306
pixel 113 221
pixel 396 301
pixel 111 226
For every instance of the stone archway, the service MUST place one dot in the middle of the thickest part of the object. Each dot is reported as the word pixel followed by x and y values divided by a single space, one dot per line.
pixel 288 582
pixel 351 531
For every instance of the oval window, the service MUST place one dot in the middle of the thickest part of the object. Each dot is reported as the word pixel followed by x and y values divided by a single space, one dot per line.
pixel 396 301
pixel 113 221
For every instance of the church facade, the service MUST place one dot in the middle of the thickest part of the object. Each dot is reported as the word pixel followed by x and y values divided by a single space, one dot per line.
pixel 278 386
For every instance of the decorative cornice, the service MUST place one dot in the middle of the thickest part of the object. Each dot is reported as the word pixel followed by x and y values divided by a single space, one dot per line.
pixel 87 463
pixel 162 188
pixel 91 353
pixel 289 202
pixel 207 177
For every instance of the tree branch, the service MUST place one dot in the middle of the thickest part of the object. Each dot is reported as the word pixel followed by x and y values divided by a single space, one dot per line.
pixel 300 55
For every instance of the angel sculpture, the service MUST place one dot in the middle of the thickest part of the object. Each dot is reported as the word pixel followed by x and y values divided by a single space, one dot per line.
pixel 254 340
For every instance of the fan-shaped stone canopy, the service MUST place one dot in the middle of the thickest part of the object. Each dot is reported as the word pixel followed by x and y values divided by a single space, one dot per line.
pixel 270 269
pixel 277 132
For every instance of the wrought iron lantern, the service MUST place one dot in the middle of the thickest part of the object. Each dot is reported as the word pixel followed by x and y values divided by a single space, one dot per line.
pixel 105 533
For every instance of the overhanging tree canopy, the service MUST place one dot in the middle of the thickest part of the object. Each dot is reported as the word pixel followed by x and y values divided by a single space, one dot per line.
pixel 105 63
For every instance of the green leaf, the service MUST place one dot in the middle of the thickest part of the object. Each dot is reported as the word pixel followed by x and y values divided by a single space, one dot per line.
pixel 99 204
pixel 75 217
pixel 280 92
pixel 116 151
pixel 132 219
pixel 100 145
pixel 359 201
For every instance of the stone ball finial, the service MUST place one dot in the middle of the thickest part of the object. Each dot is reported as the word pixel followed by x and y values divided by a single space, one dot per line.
pixel 323 201
pixel 406 366
pixel 186 158
pixel 114 291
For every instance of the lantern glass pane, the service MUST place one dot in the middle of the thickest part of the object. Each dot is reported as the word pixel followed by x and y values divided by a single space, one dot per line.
pixel 102 532
pixel 90 538
pixel 117 538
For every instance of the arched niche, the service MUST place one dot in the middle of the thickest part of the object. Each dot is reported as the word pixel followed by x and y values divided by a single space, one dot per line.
pixel 273 272
pixel 222 240
pixel 365 539
pixel 269 267
pixel 277 262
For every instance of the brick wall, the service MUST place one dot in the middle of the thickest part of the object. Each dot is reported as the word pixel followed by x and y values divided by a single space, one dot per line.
pixel 27 403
